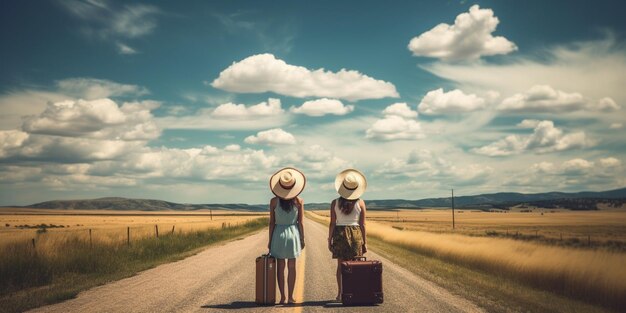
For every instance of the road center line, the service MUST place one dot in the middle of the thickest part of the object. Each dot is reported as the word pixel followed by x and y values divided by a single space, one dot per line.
pixel 299 292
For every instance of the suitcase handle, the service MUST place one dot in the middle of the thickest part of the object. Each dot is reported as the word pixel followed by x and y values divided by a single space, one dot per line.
pixel 360 258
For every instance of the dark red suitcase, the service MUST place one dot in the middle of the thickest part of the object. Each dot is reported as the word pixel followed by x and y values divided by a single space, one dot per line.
pixel 362 282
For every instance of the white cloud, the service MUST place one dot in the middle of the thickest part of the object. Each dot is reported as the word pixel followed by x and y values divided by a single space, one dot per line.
pixel 564 67
pixel 93 88
pixel 400 109
pixel 125 49
pixel 275 136
pixel 229 116
pixel 605 104
pixel 393 127
pixel 264 73
pixel 528 123
pixel 240 111
pixel 321 107
pixel 610 162
pixel 398 123
pixel 17 103
pixel 545 138
pixel 423 163
pixel 543 98
pixel 232 147
pixel 469 38
pixel 101 118
pixel 316 162
pixel 454 101
pixel 616 125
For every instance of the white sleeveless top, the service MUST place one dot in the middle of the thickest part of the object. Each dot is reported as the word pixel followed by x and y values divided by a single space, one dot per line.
pixel 347 219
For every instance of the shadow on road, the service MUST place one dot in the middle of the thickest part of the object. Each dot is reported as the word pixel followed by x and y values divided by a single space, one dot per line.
pixel 250 304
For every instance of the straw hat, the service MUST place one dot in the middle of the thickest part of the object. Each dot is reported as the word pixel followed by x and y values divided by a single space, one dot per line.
pixel 287 183
pixel 350 184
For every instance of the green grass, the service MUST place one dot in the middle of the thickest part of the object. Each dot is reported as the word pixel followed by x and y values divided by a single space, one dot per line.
pixel 35 277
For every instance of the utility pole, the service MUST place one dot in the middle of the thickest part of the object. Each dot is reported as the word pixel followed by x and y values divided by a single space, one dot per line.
pixel 452 208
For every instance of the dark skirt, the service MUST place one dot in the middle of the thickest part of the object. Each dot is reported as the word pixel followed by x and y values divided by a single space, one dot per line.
pixel 347 242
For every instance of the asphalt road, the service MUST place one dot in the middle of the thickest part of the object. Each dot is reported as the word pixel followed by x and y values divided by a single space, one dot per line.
pixel 221 279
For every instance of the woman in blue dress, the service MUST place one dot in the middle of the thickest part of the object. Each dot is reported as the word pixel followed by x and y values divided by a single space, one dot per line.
pixel 286 232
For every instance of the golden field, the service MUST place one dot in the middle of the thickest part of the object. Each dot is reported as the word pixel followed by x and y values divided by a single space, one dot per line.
pixel 598 276
pixel 109 226
pixel 598 226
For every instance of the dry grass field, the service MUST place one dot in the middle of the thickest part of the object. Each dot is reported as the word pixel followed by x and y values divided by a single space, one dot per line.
pixel 604 228
pixel 21 225
pixel 597 275
pixel 48 255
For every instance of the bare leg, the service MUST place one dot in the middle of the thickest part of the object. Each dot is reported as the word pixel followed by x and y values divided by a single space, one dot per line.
pixel 280 273
pixel 291 278
pixel 339 279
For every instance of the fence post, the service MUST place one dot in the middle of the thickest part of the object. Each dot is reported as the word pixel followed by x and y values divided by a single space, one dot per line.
pixel 589 240
pixel 173 229
pixel 128 235
pixel 33 241
pixel 90 240
pixel 211 212
pixel 156 228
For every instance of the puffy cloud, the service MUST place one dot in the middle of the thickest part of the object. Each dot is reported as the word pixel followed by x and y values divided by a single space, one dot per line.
pixel 455 101
pixel 400 109
pixel 469 38
pixel 543 98
pixel 321 107
pixel 393 127
pixel 232 147
pixel 616 125
pixel 274 136
pixel 264 73
pixel 545 138
pixel 398 124
pixel 240 111
pixel 101 118
pixel 230 116
pixel 81 131
pixel 609 162
pixel 11 139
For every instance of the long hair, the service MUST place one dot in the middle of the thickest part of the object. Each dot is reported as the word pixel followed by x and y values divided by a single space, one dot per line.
pixel 287 205
pixel 346 206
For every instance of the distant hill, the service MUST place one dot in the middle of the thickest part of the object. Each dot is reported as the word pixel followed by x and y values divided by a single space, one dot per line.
pixel 126 204
pixel 501 199
pixel 579 200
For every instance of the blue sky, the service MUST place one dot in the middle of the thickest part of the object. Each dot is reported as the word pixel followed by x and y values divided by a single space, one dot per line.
pixel 203 101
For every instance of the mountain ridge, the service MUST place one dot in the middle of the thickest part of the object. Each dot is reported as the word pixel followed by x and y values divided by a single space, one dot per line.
pixel 484 201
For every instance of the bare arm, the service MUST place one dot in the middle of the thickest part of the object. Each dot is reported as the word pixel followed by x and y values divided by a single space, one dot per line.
pixel 272 221
pixel 362 224
pixel 300 220
pixel 331 226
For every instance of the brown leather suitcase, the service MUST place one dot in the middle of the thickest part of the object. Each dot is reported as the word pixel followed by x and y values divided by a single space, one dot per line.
pixel 362 282
pixel 266 280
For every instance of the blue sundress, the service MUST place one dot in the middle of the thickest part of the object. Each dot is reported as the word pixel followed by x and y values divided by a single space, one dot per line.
pixel 286 236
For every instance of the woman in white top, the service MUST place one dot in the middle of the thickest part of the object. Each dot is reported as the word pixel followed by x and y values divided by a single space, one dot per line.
pixel 346 232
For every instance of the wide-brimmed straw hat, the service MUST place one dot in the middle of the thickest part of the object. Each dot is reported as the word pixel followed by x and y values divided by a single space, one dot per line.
pixel 350 184
pixel 287 183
